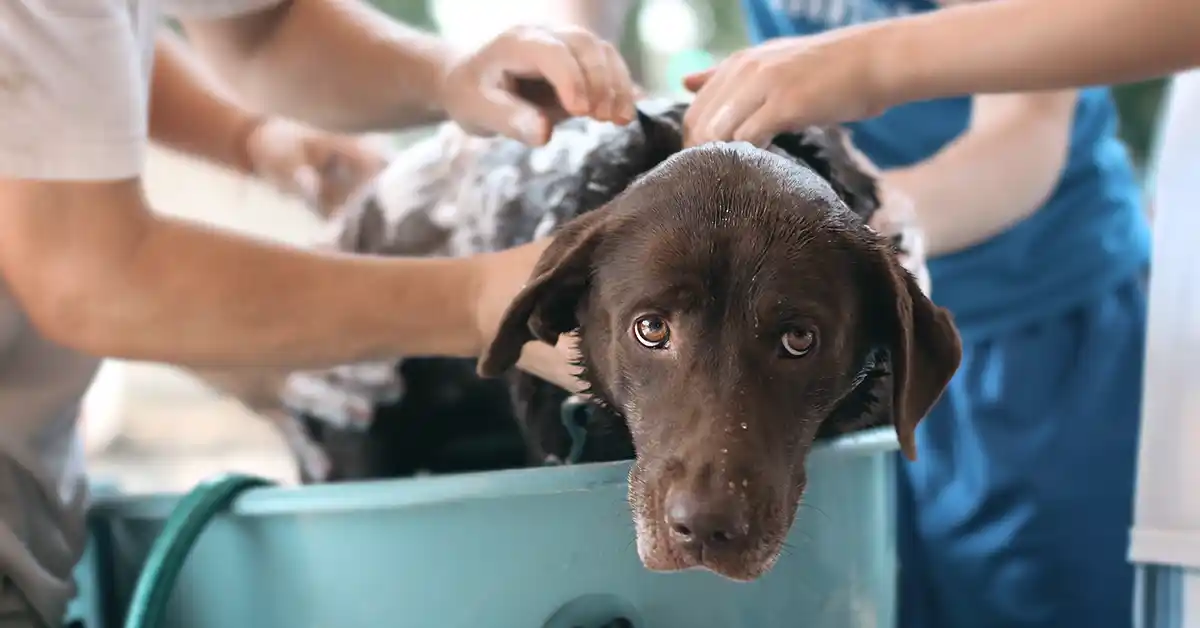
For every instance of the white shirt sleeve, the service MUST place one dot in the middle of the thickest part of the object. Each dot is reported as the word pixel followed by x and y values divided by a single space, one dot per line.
pixel 73 83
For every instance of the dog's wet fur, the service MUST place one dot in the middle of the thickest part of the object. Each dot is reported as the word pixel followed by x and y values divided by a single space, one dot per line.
pixel 732 307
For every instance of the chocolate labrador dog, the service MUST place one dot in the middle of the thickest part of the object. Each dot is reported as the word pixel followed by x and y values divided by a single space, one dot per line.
pixel 732 306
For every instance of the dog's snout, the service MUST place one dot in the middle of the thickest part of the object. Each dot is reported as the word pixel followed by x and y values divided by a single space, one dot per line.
pixel 700 521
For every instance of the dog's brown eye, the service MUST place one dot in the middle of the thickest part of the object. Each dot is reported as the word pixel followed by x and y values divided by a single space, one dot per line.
pixel 798 342
pixel 652 331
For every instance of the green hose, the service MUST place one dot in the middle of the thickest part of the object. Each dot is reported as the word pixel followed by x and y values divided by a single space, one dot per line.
pixel 183 528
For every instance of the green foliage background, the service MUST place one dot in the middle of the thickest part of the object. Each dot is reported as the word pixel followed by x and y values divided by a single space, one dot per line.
pixel 1138 103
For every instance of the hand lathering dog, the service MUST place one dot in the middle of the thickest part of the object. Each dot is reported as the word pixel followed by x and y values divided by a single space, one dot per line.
pixel 732 306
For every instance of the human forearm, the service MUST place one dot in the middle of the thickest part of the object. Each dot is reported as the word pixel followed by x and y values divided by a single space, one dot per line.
pixel 336 64
pixel 98 272
pixel 994 175
pixel 190 113
pixel 1047 44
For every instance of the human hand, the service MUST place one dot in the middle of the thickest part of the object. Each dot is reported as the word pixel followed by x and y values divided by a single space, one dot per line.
pixel 528 78
pixel 896 219
pixel 321 168
pixel 496 279
pixel 785 85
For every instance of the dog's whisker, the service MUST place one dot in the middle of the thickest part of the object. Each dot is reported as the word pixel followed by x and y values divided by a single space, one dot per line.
pixel 806 507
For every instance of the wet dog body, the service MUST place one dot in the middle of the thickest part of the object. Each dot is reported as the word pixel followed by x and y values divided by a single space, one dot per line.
pixel 732 307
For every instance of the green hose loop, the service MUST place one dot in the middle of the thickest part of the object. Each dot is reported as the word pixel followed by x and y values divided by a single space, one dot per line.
pixel 183 528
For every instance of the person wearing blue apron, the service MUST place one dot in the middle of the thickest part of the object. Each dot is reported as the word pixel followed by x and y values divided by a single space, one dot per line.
pixel 1017 511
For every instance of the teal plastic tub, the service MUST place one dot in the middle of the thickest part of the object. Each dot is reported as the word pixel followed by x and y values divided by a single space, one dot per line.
pixel 529 548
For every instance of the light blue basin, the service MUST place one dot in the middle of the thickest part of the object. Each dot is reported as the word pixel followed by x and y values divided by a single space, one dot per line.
pixel 530 548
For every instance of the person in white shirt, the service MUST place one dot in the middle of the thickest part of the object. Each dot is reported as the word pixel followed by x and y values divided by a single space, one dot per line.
pixel 87 270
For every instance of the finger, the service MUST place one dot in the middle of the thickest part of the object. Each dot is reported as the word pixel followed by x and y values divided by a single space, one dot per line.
pixel 537 54
pixel 590 53
pixel 730 113
pixel 707 99
pixel 695 81
pixel 515 118
pixel 724 103
pixel 625 92
pixel 759 127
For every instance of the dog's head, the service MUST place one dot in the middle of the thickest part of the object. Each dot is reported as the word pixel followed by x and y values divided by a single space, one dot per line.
pixel 730 304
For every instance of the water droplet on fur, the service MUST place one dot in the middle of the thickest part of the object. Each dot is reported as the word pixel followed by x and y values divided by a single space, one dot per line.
pixel 744 426
pixel 745 483
pixel 724 450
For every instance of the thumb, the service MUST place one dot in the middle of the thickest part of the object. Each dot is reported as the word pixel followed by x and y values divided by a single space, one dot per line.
pixel 693 82
pixel 509 115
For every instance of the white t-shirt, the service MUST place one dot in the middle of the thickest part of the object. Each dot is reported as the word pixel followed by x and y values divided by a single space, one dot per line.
pixel 74 84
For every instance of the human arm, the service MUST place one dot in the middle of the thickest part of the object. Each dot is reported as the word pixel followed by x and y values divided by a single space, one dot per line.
pixel 95 270
pixel 337 64
pixel 191 114
pixel 1048 44
pixel 998 172
pixel 857 72
pixel 194 114
pixel 341 64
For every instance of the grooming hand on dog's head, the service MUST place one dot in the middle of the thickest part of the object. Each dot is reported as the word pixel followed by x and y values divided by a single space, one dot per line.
pixel 730 305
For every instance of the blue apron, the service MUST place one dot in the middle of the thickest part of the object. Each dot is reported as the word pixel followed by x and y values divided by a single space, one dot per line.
pixel 1018 510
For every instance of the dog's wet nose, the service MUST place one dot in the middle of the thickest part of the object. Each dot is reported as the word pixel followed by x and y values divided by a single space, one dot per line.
pixel 698 522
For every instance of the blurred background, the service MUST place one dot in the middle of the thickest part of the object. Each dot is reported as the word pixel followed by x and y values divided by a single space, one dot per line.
pixel 152 428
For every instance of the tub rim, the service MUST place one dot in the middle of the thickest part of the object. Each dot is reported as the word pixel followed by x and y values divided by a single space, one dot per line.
pixel 398 493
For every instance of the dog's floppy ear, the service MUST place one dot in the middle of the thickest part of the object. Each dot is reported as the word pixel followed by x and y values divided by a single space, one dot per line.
pixel 546 306
pixel 663 132
pixel 827 150
pixel 922 341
